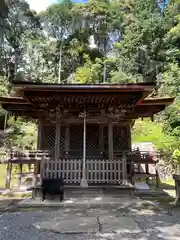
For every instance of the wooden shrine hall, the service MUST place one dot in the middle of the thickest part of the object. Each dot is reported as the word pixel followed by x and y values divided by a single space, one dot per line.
pixel 86 129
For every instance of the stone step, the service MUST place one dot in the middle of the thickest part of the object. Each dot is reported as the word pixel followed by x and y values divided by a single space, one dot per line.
pixel 82 193
pixel 92 192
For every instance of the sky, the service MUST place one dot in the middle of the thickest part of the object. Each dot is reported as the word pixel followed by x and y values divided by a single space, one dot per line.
pixel 40 5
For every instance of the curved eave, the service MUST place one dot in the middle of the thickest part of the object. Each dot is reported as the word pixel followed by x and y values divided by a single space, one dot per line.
pixel 17 107
pixel 29 86
pixel 13 100
pixel 157 101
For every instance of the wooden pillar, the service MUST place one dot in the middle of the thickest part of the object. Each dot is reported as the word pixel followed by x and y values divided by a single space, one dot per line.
pixel 67 139
pixel 84 182
pixel 110 140
pixel 101 138
pixel 129 136
pixel 157 178
pixel 58 138
pixel 124 170
pixel 8 175
pixel 35 173
pixel 39 146
pixel 176 178
pixel 147 173
pixel 110 148
pixel 40 132
pixel 29 167
pixel 20 174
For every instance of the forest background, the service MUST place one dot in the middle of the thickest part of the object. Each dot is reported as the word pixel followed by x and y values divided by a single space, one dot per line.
pixel 131 41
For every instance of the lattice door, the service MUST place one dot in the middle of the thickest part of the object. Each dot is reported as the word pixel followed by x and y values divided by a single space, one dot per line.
pixel 105 132
pixel 92 139
pixel 76 137
pixel 48 137
pixel 120 138
pixel 62 138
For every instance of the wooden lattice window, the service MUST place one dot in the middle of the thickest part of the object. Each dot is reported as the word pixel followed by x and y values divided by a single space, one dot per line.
pixel 76 136
pixel 92 136
pixel 48 137
pixel 120 138
pixel 62 137
pixel 105 134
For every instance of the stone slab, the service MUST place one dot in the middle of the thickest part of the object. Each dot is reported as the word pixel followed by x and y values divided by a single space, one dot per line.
pixel 118 225
pixel 61 215
pixel 141 186
pixel 79 225
pixel 96 212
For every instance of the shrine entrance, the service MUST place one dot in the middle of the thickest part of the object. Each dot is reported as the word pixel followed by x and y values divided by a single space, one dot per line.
pixel 97 162
pixel 86 128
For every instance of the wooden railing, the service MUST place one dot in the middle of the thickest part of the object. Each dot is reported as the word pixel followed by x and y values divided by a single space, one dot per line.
pixel 68 169
pixel 25 157
pixel 104 171
pixel 97 170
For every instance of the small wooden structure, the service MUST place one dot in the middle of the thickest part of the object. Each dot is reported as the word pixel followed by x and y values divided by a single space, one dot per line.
pixel 85 128
pixel 145 167
pixel 176 178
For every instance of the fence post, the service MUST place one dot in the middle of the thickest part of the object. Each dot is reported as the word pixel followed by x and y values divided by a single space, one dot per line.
pixel 124 170
pixel 84 182
pixel 20 174
pixel 9 174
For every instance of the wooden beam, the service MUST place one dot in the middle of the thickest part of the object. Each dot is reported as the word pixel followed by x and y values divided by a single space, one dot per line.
pixel 101 137
pixel 124 169
pixel 35 173
pixel 147 172
pixel 58 138
pixel 27 98
pixel 84 182
pixel 132 87
pixel 29 167
pixel 20 174
pixel 143 96
pixel 8 175
pixel 40 133
pixel 129 136
pixel 158 101
pixel 67 139
pixel 110 140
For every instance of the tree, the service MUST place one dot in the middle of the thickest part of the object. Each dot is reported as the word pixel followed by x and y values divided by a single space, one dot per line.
pixel 143 48
pixel 57 21
pixel 19 26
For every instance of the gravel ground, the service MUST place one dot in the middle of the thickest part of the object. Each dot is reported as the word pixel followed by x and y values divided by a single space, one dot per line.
pixel 157 226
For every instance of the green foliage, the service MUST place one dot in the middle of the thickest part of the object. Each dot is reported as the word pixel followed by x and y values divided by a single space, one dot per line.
pixel 56 41
pixel 170 80
pixel 23 136
pixel 143 131
pixel 121 77
pixel 176 156
pixel 148 131
pixel 4 86
pixel 89 73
